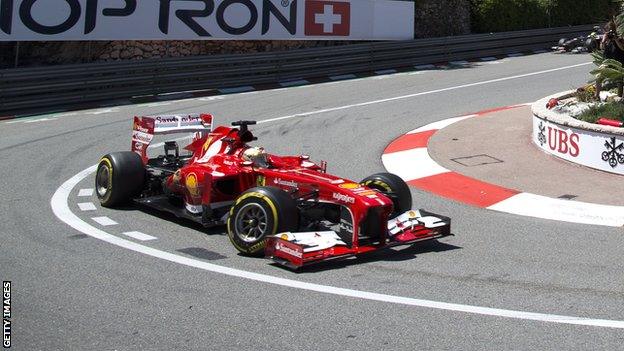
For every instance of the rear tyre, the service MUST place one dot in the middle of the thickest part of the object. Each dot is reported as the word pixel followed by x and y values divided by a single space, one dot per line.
pixel 394 188
pixel 119 176
pixel 259 213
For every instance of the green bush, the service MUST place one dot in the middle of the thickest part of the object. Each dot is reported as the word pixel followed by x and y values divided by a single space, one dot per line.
pixel 575 12
pixel 508 15
pixel 610 110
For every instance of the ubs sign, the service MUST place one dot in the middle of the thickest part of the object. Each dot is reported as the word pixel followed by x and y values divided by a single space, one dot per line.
pixel 602 150
pixel 204 19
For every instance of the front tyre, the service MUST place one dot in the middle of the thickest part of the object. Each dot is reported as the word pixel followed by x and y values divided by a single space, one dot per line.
pixel 392 186
pixel 259 213
pixel 119 176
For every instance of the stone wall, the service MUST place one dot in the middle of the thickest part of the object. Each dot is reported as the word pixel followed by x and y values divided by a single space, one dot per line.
pixel 441 18
pixel 154 49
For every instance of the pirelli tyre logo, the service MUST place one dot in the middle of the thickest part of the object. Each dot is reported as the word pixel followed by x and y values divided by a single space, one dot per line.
pixel 203 19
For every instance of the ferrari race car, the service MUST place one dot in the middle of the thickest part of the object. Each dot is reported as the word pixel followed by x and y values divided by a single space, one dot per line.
pixel 283 207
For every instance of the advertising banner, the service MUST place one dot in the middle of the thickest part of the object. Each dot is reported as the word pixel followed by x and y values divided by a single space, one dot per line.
pixel 600 151
pixel 64 20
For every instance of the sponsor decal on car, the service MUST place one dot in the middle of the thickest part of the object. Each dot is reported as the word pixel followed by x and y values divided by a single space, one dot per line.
pixel 343 198
pixel 190 120
pixel 280 246
pixel 192 184
pixel 350 186
pixel 365 192
pixel 167 121
pixel 139 128
pixel 289 183
pixel 261 180
pixel 142 137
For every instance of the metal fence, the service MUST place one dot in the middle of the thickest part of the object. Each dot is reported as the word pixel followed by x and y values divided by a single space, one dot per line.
pixel 54 86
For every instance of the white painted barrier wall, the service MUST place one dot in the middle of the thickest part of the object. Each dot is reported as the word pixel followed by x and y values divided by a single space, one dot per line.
pixel 24 20
pixel 590 145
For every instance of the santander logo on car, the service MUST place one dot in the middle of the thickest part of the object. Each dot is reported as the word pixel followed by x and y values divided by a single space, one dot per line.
pixel 327 18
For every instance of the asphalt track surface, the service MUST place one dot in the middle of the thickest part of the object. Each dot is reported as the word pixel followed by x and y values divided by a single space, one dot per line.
pixel 73 291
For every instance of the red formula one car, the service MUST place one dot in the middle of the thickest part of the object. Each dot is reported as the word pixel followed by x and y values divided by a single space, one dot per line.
pixel 284 207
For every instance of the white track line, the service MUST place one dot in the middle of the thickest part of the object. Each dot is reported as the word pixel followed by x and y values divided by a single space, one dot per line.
pixel 104 221
pixel 103 111
pixel 87 206
pixel 403 97
pixel 85 192
pixel 60 207
pixel 156 104
pixel 140 236
pixel 40 120
pixel 212 98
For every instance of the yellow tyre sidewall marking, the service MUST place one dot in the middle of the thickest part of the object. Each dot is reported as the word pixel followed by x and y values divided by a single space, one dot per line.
pixel 379 183
pixel 108 165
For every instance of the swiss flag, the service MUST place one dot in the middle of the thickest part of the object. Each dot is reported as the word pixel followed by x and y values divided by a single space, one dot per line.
pixel 329 18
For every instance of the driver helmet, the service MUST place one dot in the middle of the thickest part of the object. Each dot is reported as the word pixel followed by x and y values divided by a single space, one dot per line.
pixel 257 155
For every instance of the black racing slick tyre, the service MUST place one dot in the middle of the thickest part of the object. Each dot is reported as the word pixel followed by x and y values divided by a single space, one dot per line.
pixel 393 187
pixel 259 213
pixel 119 177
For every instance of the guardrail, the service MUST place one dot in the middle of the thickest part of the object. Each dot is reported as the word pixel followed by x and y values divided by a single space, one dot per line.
pixel 53 86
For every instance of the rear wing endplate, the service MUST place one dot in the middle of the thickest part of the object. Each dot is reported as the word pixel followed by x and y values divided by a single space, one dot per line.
pixel 144 128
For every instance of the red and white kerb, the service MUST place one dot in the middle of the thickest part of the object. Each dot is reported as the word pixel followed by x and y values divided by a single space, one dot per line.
pixel 409 158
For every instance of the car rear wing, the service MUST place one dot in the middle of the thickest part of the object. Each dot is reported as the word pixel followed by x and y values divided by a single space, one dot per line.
pixel 144 128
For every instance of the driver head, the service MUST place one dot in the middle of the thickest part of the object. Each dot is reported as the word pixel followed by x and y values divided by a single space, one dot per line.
pixel 257 155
